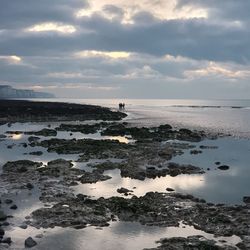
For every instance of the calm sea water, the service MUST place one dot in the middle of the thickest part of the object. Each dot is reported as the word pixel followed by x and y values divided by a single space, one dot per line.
pixel 226 116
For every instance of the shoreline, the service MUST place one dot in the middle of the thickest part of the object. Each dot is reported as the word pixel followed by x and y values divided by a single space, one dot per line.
pixel 146 155
pixel 34 111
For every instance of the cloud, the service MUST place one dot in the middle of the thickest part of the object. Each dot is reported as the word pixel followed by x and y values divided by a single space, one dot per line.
pixel 57 27
pixel 161 9
pixel 196 39
pixel 220 71
pixel 219 9
pixel 16 14
pixel 108 54
pixel 11 59
pixel 142 48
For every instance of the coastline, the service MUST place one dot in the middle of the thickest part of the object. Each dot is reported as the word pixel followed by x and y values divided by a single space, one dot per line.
pixel 147 153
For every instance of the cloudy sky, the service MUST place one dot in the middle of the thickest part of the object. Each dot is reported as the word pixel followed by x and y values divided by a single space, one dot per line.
pixel 127 48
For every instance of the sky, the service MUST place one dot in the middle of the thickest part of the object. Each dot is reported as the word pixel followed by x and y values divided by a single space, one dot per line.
pixel 127 48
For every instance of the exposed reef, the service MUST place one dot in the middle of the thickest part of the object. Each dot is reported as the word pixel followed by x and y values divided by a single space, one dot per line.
pixel 27 111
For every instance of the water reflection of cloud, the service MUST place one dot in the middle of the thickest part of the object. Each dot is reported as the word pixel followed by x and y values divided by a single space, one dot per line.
pixel 122 139
pixel 108 188
pixel 17 137
pixel 119 235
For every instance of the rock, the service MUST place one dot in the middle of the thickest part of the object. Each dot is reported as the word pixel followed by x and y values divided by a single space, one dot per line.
pixel 93 177
pixel 150 168
pixel 6 240
pixel 57 168
pixel 85 146
pixel 208 147
pixel 8 201
pixel 14 132
pixel 123 190
pixel 21 166
pixel 1 232
pixel 43 132
pixel 217 163
pixel 5 223
pixel 3 216
pixel 246 199
pixel 165 127
pixel 38 153
pixel 166 153
pixel 29 186
pixel 60 163
pixel 29 242
pixel 39 236
pixel 185 131
pixel 33 139
pixel 13 207
pixel 24 226
pixel 195 152
pixel 191 242
pixel 223 167
pixel 170 189
pixel 82 128
pixel 26 111
pixel 242 246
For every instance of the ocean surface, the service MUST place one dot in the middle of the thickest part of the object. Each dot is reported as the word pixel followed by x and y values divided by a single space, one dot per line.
pixel 219 116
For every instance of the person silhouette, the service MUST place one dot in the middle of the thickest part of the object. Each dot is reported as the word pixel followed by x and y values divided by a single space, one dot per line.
pixel 121 106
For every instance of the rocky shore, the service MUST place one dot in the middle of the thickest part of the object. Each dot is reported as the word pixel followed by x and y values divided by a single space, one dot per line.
pixel 147 154
pixel 28 111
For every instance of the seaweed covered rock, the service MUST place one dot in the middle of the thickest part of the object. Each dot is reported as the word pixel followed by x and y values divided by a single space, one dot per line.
pixel 25 111
pixel 190 243
pixel 43 132
pixel 21 166
pixel 83 128
pixel 86 146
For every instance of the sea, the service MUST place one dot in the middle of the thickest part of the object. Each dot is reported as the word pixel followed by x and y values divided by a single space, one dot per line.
pixel 229 118
pixel 219 116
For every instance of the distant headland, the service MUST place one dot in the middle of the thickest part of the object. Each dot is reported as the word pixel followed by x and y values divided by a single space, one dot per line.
pixel 7 91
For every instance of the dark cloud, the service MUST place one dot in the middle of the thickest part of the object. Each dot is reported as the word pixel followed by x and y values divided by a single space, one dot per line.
pixel 113 10
pixel 196 38
pixel 22 13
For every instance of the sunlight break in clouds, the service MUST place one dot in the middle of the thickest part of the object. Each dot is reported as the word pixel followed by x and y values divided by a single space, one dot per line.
pixel 165 10
pixel 58 27
pixel 109 54
pixel 217 69
pixel 11 59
